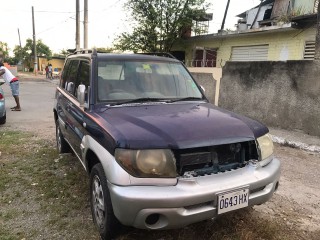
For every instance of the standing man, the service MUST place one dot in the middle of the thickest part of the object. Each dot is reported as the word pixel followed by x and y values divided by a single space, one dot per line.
pixel 50 71
pixel 13 82
pixel 47 71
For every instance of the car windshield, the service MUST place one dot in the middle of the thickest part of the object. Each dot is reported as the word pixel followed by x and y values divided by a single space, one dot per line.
pixel 130 80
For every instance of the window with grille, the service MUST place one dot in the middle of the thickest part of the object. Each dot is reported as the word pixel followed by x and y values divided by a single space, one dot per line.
pixel 309 50
pixel 205 58
pixel 250 53
pixel 316 3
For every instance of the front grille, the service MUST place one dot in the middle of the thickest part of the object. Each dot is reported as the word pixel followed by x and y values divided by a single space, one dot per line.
pixel 214 159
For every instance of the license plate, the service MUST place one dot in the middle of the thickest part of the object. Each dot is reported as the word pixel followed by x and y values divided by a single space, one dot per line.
pixel 230 201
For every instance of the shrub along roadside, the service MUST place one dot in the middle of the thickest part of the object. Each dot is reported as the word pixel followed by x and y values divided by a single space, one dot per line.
pixel 45 196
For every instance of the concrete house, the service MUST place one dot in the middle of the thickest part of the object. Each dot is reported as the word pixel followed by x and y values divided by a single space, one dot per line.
pixel 275 30
pixel 56 62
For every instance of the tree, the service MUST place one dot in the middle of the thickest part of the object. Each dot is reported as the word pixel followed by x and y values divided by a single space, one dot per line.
pixel 159 24
pixel 105 50
pixel 4 50
pixel 62 53
pixel 26 53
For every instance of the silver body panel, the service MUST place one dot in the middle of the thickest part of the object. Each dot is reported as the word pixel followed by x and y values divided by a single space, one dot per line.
pixel 191 199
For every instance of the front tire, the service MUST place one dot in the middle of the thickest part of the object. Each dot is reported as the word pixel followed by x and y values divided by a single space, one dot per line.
pixel 3 119
pixel 62 145
pixel 101 206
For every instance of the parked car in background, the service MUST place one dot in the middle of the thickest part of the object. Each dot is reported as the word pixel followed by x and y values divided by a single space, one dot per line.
pixel 3 115
pixel 159 155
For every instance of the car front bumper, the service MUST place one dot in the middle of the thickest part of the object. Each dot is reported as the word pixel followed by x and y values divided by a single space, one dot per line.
pixel 192 199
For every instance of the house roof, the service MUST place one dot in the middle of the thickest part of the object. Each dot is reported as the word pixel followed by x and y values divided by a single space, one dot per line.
pixel 244 14
pixel 304 20
pixel 250 32
pixel 307 17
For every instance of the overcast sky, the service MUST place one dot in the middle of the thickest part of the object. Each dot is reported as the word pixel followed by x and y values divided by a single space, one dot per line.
pixel 55 21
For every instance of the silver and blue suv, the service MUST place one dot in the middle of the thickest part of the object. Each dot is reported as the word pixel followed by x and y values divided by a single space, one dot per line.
pixel 159 155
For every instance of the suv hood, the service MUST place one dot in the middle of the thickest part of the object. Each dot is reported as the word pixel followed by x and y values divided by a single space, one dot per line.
pixel 177 126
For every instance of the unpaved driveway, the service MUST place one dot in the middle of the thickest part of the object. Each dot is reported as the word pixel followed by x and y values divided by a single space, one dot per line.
pixel 297 202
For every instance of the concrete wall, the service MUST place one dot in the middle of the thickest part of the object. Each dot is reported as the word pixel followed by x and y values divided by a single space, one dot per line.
pixel 206 80
pixel 279 94
pixel 287 42
pixel 209 78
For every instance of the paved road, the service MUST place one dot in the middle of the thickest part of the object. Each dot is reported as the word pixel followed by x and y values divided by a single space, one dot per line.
pixel 36 98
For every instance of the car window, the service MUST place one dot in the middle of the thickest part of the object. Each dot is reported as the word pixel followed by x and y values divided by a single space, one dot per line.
pixel 111 70
pixel 121 80
pixel 83 75
pixel 64 73
pixel 71 76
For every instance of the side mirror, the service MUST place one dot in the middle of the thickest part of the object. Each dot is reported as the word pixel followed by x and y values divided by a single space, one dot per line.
pixel 81 92
pixel 203 89
pixel 70 87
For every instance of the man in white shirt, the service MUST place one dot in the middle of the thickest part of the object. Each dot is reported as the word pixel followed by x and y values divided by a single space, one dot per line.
pixel 13 82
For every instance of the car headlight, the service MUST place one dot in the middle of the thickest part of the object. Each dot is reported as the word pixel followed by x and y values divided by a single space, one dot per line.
pixel 265 146
pixel 147 163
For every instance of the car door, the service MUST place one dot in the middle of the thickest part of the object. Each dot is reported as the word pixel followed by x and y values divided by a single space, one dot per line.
pixel 63 98
pixel 66 99
pixel 75 112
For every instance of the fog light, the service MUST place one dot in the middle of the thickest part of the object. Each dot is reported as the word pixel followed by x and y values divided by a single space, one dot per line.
pixel 152 219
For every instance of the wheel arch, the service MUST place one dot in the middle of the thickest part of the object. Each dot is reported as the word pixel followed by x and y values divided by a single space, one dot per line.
pixel 94 152
pixel 91 160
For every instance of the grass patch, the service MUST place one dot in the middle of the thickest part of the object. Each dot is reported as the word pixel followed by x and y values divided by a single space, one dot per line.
pixel 42 191
pixel 6 235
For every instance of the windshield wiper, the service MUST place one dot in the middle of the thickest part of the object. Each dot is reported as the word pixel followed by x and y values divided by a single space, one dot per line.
pixel 138 100
pixel 185 99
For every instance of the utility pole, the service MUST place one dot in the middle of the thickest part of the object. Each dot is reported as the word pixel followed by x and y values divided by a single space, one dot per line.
pixel 19 38
pixel 77 25
pixel 85 25
pixel 225 16
pixel 20 46
pixel 34 45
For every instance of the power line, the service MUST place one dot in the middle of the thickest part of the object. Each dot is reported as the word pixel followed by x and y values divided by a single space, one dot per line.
pixel 71 17
pixel 44 11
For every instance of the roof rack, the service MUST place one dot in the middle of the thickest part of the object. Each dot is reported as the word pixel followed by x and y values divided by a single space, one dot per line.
pixel 82 51
pixel 159 54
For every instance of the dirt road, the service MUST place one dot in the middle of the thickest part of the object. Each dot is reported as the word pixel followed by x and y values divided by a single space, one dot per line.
pixel 297 202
